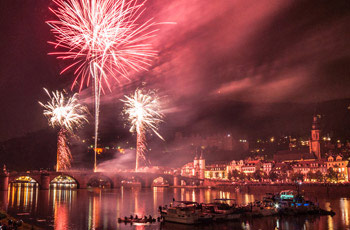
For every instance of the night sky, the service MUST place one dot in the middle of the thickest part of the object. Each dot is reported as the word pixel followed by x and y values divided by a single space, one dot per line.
pixel 218 54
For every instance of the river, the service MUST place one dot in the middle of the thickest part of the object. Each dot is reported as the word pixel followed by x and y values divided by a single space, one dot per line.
pixel 95 208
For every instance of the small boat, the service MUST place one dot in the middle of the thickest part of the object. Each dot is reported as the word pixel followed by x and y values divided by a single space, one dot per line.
pixel 267 211
pixel 260 208
pixel 221 211
pixel 185 212
pixel 137 220
pixel 23 214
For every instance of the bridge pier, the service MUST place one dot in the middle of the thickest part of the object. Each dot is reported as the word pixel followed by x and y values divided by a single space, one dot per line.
pixel 176 181
pixel 83 181
pixel 116 182
pixel 146 182
pixel 45 181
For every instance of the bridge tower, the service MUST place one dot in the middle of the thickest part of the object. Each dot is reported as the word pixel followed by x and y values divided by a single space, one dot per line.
pixel 176 180
pixel 201 162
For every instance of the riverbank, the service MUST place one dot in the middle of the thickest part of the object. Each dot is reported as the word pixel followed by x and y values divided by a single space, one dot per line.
pixel 5 218
pixel 326 189
pixel 340 189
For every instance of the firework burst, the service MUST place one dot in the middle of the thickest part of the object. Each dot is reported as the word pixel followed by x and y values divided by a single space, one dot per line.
pixel 103 40
pixel 67 114
pixel 143 111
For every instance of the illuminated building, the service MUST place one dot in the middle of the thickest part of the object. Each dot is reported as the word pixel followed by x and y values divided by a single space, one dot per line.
pixel 195 168
pixel 267 167
pixel 216 171
pixel 283 170
pixel 251 167
pixel 187 169
pixel 304 167
pixel 234 165
pixel 340 166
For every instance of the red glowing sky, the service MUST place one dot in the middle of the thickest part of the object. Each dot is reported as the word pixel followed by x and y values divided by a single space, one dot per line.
pixel 248 51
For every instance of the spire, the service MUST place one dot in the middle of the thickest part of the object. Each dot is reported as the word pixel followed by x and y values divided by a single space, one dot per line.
pixel 196 154
pixel 315 122
pixel 201 157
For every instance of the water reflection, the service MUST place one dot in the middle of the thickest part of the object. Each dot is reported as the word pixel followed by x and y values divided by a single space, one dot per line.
pixel 61 216
pixel 100 208
pixel 344 207
pixel 23 196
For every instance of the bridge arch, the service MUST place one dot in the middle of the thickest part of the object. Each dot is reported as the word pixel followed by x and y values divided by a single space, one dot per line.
pixel 160 182
pixel 24 179
pixel 101 181
pixel 147 180
pixel 189 181
pixel 64 181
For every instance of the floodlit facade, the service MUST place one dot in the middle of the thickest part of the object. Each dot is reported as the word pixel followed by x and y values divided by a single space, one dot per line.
pixel 251 167
pixel 340 166
pixel 216 171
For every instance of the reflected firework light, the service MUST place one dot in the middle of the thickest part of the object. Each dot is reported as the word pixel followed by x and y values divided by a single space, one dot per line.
pixel 67 114
pixel 103 40
pixel 144 114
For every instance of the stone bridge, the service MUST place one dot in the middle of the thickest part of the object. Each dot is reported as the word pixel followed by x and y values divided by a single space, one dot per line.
pixel 83 178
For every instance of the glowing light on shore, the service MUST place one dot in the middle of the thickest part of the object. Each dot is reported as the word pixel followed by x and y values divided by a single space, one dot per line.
pixel 103 40
pixel 67 114
pixel 143 111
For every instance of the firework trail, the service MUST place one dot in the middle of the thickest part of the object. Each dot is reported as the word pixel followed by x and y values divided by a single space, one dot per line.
pixel 103 40
pixel 67 114
pixel 143 111
pixel 64 155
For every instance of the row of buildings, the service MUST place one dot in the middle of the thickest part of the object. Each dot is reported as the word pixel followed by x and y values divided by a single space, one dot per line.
pixel 249 167
pixel 287 163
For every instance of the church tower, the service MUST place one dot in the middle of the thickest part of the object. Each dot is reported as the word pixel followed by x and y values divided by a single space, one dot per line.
pixel 315 138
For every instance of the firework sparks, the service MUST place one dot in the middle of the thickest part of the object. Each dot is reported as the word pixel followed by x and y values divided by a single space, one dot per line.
pixel 67 114
pixel 103 40
pixel 143 111
pixel 64 155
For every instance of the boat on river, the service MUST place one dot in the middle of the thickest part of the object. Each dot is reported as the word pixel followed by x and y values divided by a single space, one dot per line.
pixel 260 209
pixel 292 203
pixel 185 212
pixel 220 210
pixel 287 202
pixel 137 220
